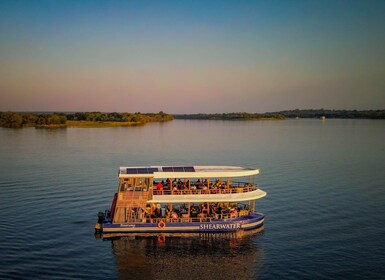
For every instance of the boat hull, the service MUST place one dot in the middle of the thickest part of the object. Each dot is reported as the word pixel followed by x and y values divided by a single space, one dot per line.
pixel 249 222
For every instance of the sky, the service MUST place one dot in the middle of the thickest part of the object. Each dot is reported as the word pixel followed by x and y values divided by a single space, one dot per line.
pixel 191 56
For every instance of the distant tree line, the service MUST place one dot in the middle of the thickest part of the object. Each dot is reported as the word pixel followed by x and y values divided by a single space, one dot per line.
pixel 119 117
pixel 338 114
pixel 17 120
pixel 308 113
pixel 230 116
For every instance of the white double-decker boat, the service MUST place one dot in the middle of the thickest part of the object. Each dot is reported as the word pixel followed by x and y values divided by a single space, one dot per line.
pixel 183 199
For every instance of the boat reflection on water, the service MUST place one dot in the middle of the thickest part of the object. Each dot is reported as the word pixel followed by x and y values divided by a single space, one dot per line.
pixel 188 256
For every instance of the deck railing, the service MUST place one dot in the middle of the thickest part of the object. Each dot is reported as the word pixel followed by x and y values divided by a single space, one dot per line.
pixel 188 219
pixel 208 190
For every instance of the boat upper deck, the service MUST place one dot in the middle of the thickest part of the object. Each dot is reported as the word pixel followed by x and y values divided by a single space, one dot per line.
pixel 159 172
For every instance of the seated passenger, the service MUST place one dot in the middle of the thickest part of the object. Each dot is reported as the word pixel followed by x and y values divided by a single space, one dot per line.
pixel 193 211
pixel 168 210
pixel 205 189
pixel 182 209
pixel 174 215
pixel 175 190
pixel 158 212
pixel 198 183
pixel 234 214
pixel 204 209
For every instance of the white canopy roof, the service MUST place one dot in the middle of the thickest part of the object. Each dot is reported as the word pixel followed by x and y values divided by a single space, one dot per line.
pixel 233 197
pixel 159 172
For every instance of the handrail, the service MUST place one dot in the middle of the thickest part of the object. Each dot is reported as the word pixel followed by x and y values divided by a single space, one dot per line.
pixel 206 191
pixel 181 219
pixel 133 199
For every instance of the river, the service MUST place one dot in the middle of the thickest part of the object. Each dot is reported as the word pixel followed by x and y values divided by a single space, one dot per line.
pixel 324 209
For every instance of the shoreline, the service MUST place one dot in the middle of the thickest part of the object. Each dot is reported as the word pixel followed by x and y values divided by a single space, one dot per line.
pixel 101 124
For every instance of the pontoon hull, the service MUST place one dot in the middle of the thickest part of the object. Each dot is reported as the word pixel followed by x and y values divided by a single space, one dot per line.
pixel 249 222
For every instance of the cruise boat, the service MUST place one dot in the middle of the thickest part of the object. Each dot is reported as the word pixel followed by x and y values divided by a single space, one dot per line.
pixel 183 199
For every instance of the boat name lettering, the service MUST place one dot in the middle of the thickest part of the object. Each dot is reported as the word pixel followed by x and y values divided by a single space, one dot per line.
pixel 126 225
pixel 220 226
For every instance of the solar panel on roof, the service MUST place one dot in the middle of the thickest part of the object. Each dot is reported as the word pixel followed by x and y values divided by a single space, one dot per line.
pixel 142 170
pixel 189 169
pixel 178 169
pixel 132 171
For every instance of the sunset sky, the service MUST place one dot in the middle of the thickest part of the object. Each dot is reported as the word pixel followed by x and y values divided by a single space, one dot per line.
pixel 191 56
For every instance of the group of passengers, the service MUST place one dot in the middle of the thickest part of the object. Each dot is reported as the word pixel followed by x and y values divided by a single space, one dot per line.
pixel 205 210
pixel 180 187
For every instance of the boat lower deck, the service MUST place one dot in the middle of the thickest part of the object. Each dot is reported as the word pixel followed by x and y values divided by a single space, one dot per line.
pixel 248 222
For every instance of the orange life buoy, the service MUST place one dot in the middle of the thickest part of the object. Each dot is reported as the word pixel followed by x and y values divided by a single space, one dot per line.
pixel 161 238
pixel 161 224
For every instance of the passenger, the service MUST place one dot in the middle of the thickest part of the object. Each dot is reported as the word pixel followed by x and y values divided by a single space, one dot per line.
pixel 213 189
pixel 216 183
pixel 219 211
pixel 198 183
pixel 159 188
pixel 205 190
pixel 193 188
pixel 204 209
pixel 167 187
pixel 185 189
pixel 182 209
pixel 158 212
pixel 175 190
pixel 179 184
pixel 193 211
pixel 233 213
pixel 206 183
pixel 168 210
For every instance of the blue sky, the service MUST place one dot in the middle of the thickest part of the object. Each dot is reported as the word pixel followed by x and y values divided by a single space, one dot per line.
pixel 191 56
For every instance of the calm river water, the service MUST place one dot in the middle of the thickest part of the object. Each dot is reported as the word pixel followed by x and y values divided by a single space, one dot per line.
pixel 324 210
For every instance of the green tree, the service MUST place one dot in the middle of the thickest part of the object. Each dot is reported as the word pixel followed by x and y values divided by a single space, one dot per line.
pixel 11 119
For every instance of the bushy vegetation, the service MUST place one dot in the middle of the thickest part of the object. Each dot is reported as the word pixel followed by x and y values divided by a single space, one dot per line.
pixel 119 117
pixel 230 116
pixel 17 120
